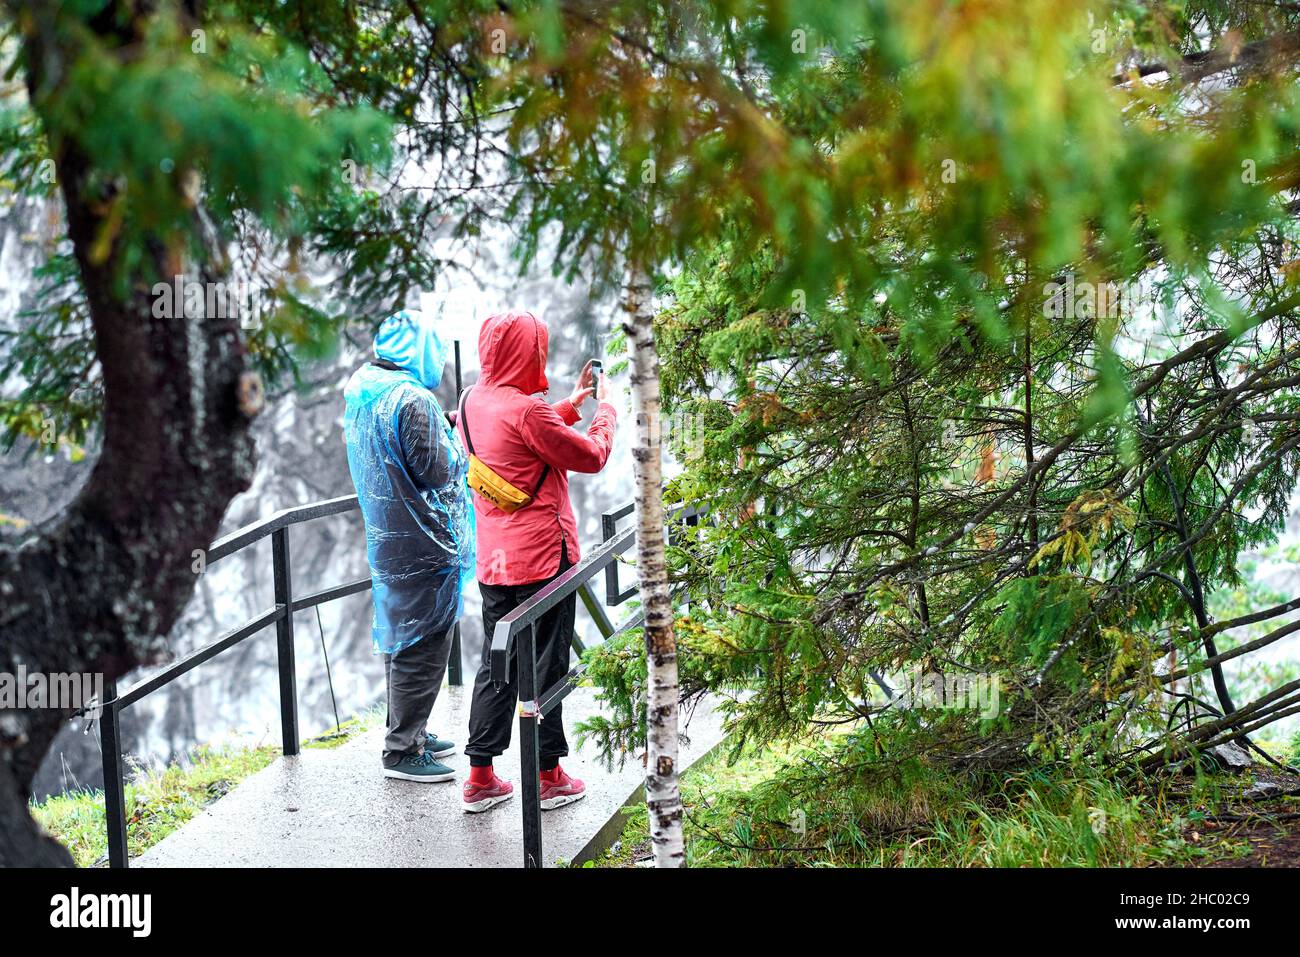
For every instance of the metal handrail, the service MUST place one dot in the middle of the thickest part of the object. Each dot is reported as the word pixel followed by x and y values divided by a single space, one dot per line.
pixel 286 517
pixel 548 699
pixel 519 628
pixel 558 589
pixel 280 614
pixel 517 625
pixel 608 526
pixel 604 557
pixel 196 658
pixel 223 548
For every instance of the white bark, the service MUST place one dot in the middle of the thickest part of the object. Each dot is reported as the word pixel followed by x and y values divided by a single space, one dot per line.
pixel 663 796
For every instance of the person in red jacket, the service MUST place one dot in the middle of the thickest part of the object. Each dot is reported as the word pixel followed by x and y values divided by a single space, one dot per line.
pixel 532 445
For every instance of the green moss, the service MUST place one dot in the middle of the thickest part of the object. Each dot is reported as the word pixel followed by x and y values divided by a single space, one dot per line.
pixel 160 801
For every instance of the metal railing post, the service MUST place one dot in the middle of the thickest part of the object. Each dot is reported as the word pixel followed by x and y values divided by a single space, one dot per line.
pixel 608 529
pixel 453 656
pixel 110 743
pixel 529 763
pixel 284 640
pixel 598 615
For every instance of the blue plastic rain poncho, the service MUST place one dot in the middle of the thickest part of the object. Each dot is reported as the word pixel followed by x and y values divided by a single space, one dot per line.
pixel 409 472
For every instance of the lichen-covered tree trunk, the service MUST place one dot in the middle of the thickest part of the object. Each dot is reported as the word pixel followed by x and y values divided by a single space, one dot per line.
pixel 663 795
pixel 98 588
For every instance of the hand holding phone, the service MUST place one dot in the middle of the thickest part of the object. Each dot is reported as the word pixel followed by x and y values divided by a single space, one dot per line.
pixel 588 381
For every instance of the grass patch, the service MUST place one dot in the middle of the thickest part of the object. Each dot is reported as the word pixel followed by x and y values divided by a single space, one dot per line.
pixel 159 801
pixel 832 804
pixel 632 844
pixel 336 737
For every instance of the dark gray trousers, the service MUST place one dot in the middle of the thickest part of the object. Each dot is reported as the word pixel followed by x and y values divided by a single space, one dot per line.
pixel 492 712
pixel 414 677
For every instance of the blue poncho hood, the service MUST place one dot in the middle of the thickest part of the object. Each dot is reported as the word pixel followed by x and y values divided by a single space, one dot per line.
pixel 410 340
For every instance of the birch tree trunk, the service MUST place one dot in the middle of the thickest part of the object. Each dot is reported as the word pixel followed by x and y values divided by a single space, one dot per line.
pixel 663 796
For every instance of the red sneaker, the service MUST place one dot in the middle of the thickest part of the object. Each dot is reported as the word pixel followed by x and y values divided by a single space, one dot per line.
pixel 561 790
pixel 481 797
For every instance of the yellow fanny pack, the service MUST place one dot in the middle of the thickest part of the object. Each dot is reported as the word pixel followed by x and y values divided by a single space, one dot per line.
pixel 483 481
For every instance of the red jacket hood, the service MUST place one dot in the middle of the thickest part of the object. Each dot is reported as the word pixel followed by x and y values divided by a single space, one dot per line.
pixel 512 351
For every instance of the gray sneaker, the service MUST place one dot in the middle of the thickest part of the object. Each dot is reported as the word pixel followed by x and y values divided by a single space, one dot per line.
pixel 420 767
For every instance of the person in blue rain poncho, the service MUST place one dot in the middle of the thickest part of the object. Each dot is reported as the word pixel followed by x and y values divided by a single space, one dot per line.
pixel 409 472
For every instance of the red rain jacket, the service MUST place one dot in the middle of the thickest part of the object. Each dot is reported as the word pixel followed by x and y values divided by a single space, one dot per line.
pixel 516 434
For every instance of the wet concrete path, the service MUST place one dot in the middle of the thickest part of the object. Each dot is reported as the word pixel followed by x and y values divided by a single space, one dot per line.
pixel 333 808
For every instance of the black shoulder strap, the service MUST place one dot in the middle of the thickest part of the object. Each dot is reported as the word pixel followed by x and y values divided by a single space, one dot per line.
pixel 469 443
pixel 464 422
